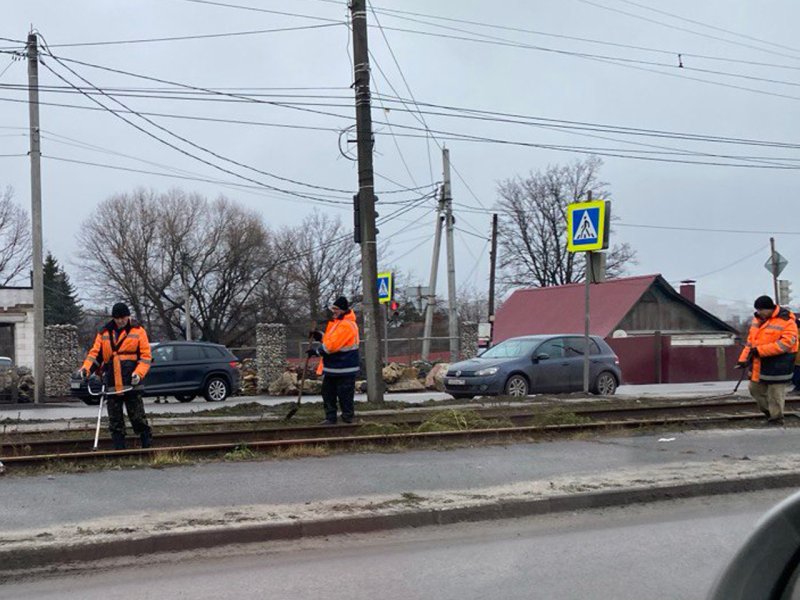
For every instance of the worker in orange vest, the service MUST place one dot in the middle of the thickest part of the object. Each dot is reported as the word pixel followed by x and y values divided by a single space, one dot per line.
pixel 770 353
pixel 339 366
pixel 121 349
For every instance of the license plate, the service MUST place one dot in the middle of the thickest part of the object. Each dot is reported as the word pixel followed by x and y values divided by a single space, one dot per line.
pixel 75 385
pixel 456 382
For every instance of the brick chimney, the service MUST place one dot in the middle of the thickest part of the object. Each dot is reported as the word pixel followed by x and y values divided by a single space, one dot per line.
pixel 687 289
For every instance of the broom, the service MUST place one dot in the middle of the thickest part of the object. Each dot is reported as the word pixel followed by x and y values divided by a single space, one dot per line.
pixel 293 411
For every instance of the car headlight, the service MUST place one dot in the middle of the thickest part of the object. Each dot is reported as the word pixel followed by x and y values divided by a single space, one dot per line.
pixel 485 372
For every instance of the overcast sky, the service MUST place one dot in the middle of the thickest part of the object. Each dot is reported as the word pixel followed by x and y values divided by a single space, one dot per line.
pixel 560 76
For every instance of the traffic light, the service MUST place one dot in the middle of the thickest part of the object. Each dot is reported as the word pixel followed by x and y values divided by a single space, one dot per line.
pixel 394 313
pixel 784 292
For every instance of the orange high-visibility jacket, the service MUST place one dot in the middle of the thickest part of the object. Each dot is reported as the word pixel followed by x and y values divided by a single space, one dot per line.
pixel 340 347
pixel 122 353
pixel 776 342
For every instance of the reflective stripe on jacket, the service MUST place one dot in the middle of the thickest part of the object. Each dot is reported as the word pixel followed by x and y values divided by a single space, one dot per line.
pixel 122 352
pixel 340 347
pixel 776 342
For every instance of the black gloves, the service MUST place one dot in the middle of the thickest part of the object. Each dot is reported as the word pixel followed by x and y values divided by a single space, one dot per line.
pixel 316 335
pixel 754 352
pixel 311 352
pixel 740 365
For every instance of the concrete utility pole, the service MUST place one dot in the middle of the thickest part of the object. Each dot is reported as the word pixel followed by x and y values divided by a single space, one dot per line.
pixel 437 243
pixel 492 270
pixel 451 258
pixel 36 220
pixel 366 203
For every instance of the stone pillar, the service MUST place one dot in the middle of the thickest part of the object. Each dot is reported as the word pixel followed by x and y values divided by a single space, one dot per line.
pixel 61 357
pixel 270 353
pixel 468 348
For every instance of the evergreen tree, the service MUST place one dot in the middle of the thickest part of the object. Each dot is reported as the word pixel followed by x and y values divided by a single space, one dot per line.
pixel 61 306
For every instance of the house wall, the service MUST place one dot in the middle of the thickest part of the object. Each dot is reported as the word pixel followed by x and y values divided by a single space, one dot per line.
pixel 658 311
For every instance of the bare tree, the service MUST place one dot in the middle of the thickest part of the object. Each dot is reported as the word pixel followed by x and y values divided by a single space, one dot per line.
pixel 15 240
pixel 147 248
pixel 326 262
pixel 533 222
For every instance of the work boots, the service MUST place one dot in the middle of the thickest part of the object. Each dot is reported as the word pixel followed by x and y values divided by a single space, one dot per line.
pixel 147 439
pixel 118 439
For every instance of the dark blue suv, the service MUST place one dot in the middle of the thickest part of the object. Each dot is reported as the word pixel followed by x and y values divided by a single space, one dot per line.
pixel 184 370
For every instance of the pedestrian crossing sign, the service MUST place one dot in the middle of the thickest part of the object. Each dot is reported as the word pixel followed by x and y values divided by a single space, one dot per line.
pixel 385 287
pixel 587 225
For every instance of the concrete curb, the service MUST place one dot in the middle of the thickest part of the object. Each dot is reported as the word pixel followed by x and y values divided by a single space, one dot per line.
pixel 25 559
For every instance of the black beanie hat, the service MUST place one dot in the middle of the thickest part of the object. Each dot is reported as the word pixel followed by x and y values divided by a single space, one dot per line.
pixel 763 302
pixel 341 302
pixel 120 310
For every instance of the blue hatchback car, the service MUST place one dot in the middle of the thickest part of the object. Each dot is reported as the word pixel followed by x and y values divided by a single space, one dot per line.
pixel 535 364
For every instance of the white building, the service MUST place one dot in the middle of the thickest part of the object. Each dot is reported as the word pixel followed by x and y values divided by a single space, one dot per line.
pixel 16 325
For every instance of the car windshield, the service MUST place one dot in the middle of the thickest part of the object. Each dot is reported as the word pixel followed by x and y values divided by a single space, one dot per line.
pixel 514 348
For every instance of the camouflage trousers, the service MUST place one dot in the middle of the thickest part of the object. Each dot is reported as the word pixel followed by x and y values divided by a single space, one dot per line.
pixel 135 408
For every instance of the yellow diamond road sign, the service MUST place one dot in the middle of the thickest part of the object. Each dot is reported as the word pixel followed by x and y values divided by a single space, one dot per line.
pixel 587 225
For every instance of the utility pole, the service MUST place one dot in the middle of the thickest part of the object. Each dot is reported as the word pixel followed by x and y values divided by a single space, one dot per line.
pixel 451 258
pixel 774 258
pixel 437 243
pixel 492 270
pixel 366 203
pixel 36 219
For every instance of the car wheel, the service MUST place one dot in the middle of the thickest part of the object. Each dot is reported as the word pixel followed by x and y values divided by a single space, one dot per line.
pixel 216 389
pixel 463 396
pixel 605 384
pixel 517 386
pixel 184 397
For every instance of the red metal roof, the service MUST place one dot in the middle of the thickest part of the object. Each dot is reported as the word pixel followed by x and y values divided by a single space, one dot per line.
pixel 560 309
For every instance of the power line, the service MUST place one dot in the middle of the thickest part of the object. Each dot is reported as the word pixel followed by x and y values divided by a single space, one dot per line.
pixel 204 36
pixel 262 10
pixel 394 13
pixel 734 263
pixel 199 147
pixel 684 29
pixel 706 229
pixel 402 76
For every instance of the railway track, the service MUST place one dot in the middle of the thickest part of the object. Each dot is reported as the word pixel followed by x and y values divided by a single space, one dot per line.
pixel 20 450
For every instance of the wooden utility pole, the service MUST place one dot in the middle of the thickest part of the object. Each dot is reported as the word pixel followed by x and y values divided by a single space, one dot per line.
pixel 452 305
pixel 36 219
pixel 492 271
pixel 366 204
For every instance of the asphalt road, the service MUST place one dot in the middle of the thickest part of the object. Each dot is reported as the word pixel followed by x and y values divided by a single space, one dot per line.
pixel 41 501
pixel 671 550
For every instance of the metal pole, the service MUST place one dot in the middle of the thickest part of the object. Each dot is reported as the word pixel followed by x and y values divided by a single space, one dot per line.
pixel 774 258
pixel 366 203
pixel 36 219
pixel 451 258
pixel 437 242
pixel 492 269
pixel 386 332
pixel 588 277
